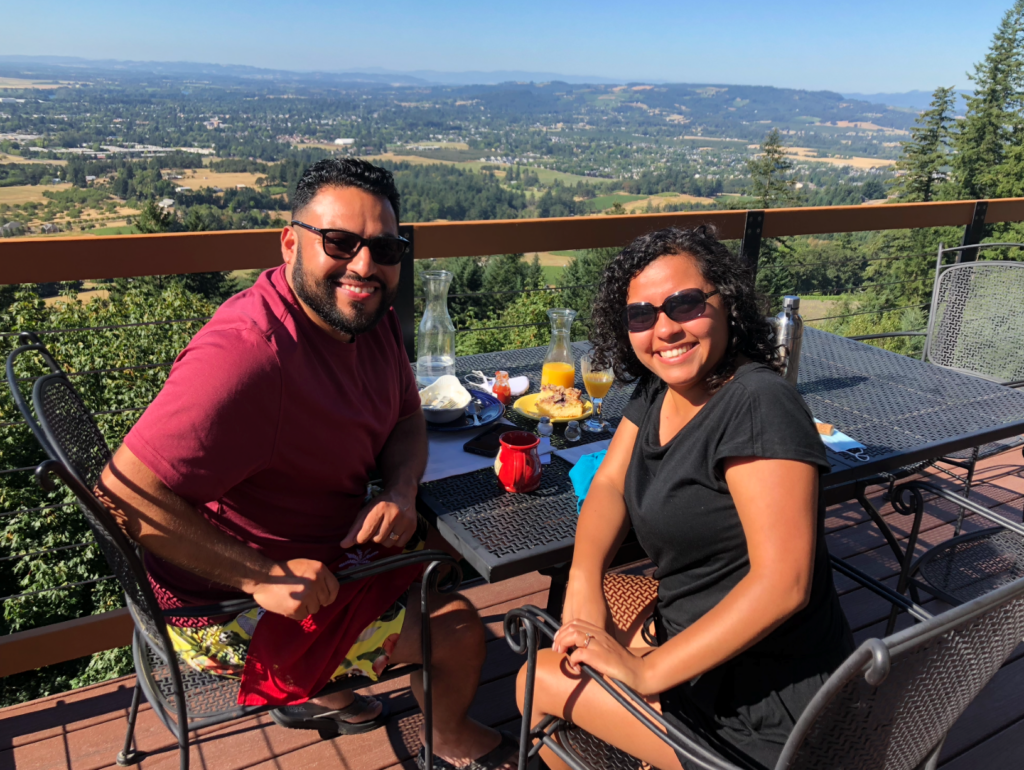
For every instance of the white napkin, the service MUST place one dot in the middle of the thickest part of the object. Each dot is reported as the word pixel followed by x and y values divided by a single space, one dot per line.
pixel 447 457
pixel 576 452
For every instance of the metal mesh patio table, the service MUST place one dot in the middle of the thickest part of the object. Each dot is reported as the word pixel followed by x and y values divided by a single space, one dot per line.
pixel 902 409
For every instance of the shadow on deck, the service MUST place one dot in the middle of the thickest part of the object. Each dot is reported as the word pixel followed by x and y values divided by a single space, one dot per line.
pixel 83 729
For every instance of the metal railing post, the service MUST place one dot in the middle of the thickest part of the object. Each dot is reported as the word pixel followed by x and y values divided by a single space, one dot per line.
pixel 750 246
pixel 973 233
pixel 404 300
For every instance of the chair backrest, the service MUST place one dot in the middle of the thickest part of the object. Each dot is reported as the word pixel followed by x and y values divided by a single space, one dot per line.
pixel 78 452
pixel 976 324
pixel 891 703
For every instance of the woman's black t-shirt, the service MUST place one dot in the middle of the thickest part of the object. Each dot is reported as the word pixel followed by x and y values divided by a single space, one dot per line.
pixel 686 520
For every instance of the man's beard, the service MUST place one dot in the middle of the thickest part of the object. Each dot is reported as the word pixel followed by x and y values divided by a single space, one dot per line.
pixel 319 295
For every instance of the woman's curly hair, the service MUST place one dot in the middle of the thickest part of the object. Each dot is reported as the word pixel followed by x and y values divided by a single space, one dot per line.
pixel 750 333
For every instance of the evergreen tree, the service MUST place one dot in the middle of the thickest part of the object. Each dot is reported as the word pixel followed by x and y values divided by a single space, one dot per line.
pixel 993 117
pixel 504 275
pixel 772 184
pixel 154 220
pixel 926 156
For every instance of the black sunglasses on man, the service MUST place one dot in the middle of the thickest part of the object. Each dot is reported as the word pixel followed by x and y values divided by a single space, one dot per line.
pixel 341 244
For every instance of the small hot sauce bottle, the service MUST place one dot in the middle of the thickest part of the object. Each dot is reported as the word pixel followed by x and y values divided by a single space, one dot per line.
pixel 502 390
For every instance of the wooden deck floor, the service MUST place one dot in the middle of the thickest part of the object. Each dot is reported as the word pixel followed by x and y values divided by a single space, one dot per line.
pixel 83 729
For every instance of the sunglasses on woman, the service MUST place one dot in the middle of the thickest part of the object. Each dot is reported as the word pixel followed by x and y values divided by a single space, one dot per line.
pixel 681 307
pixel 341 244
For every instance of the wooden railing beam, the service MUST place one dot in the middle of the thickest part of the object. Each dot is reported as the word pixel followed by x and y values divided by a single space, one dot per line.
pixel 40 260
pixel 60 642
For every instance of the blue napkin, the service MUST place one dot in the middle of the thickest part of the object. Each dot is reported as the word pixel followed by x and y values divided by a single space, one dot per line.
pixel 582 474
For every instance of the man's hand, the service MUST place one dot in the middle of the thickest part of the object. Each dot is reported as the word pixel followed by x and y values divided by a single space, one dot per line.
pixel 389 519
pixel 296 588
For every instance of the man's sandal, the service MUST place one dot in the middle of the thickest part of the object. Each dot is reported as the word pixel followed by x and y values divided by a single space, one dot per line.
pixel 331 723
pixel 505 752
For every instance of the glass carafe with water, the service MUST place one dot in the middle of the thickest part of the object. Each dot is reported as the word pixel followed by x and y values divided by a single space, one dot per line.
pixel 559 367
pixel 435 344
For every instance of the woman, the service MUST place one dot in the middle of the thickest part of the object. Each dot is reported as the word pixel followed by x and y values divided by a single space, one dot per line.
pixel 715 464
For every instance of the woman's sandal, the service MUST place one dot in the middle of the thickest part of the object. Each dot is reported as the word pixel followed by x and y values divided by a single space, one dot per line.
pixel 331 723
pixel 506 751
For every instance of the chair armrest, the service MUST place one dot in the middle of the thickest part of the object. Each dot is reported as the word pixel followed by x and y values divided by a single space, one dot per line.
pixel 861 337
pixel 235 606
pixel 531 619
pixel 879 588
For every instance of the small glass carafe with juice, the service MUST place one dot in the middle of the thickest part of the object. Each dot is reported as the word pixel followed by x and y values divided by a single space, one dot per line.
pixel 559 368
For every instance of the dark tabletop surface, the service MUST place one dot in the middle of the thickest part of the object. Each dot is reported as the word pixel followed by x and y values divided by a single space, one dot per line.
pixel 902 409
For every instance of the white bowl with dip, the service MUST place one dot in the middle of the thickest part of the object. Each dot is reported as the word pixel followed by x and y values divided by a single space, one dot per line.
pixel 446 388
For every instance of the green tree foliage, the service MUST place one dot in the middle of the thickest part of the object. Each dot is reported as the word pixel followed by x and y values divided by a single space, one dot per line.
pixel 49 520
pixel 923 165
pixel 994 118
pixel 772 185
pixel 153 219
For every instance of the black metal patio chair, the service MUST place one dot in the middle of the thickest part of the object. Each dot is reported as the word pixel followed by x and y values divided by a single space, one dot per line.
pixel 889 706
pixel 975 326
pixel 183 699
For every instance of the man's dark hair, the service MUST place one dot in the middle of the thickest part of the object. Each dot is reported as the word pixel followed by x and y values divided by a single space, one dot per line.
pixel 345 172
pixel 750 333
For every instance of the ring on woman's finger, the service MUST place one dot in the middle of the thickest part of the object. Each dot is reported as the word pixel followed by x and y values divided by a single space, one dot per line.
pixel 586 642
pixel 393 536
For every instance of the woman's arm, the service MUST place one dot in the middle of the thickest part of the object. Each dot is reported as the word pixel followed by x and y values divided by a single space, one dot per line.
pixel 777 501
pixel 602 525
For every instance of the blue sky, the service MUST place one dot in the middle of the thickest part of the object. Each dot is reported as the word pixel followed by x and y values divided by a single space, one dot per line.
pixel 867 46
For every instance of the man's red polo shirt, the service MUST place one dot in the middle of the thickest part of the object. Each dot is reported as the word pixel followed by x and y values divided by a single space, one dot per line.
pixel 271 427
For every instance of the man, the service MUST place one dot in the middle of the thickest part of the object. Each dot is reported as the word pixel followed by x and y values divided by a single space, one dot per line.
pixel 249 475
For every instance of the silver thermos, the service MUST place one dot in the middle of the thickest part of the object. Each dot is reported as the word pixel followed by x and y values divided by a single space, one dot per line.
pixel 789 336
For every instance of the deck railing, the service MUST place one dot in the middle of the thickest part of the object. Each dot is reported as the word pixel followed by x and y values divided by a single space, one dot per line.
pixel 43 260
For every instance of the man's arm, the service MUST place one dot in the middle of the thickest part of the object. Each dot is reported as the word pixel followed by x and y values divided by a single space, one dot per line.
pixel 169 527
pixel 390 518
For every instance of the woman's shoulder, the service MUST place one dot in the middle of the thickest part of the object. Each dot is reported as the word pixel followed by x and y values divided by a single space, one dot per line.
pixel 645 393
pixel 756 381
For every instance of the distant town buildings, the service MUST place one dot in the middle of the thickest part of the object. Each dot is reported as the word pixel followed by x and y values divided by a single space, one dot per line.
pixel 345 142
pixel 166 203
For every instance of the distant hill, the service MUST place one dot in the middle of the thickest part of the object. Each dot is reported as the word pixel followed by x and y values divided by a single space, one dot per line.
pixel 492 78
pixel 723 110
pixel 50 65
pixel 910 100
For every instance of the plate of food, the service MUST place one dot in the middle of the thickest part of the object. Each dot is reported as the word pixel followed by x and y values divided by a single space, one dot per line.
pixel 490 410
pixel 554 401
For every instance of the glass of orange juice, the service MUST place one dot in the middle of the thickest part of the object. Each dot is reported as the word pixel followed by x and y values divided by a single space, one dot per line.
pixel 558 373
pixel 597 382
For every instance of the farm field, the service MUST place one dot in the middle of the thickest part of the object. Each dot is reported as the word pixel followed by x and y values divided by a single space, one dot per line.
pixel 4 158
pixel 603 202
pixel 18 83
pixel 28 193
pixel 807 154
pixel 203 177
pixel 662 199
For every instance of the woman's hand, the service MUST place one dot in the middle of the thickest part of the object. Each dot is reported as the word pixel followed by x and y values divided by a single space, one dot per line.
pixel 584 600
pixel 597 648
